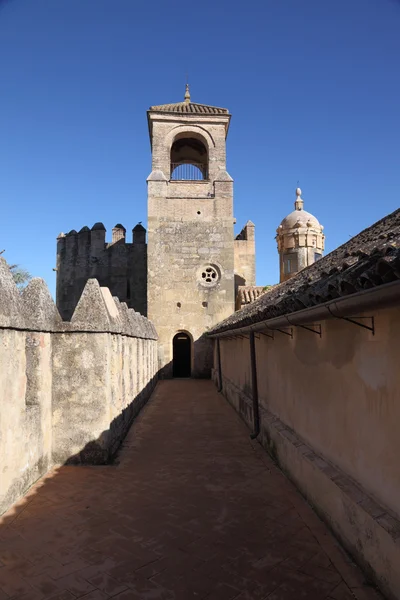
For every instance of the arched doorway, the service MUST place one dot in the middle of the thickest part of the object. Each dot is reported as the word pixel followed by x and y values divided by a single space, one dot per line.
pixel 182 350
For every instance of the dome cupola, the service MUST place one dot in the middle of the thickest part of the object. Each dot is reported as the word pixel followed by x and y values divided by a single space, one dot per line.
pixel 300 240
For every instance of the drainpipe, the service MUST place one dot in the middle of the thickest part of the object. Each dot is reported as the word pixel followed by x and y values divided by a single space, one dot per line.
pixel 219 389
pixel 254 387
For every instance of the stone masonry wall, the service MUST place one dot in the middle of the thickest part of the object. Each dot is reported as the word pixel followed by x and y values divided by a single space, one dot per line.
pixel 69 390
pixel 245 257
pixel 120 266
pixel 190 229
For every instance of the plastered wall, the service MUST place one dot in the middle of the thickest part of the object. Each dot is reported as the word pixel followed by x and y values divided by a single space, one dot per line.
pixel 329 411
pixel 339 392
pixel 68 391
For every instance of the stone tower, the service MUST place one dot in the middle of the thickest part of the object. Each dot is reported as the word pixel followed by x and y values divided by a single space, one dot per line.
pixel 300 240
pixel 190 232
pixel 118 265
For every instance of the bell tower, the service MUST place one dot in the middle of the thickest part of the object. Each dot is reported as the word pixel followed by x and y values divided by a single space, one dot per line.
pixel 190 232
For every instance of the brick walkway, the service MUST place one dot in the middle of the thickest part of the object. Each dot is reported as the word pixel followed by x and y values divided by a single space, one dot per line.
pixel 193 509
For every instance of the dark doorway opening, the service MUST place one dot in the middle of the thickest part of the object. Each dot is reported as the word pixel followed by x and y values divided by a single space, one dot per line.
pixel 181 365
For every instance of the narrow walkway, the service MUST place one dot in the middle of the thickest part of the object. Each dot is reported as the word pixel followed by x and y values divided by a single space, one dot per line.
pixel 193 509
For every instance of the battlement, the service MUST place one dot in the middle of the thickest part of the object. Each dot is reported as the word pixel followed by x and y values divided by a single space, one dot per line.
pixel 116 264
pixel 97 310
pixel 245 257
pixel 96 236
pixel 247 233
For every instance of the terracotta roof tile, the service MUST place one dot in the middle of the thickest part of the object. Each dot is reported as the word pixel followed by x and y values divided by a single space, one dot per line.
pixel 370 259
pixel 189 108
pixel 249 293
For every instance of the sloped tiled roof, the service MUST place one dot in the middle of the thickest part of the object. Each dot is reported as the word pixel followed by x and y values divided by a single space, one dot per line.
pixel 190 108
pixel 368 260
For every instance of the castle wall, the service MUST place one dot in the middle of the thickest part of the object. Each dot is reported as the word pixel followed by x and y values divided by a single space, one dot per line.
pixel 69 390
pixel 245 257
pixel 179 251
pixel 120 266
pixel 329 415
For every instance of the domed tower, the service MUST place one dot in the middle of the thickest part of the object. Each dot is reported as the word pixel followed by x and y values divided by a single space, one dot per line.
pixel 300 240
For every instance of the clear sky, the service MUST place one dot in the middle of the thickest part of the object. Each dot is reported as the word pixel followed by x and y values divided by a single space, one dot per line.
pixel 313 87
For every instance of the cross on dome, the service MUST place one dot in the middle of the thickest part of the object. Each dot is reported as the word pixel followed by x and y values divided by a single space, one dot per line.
pixel 187 94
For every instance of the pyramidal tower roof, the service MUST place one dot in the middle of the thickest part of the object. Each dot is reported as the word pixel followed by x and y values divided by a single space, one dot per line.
pixel 189 107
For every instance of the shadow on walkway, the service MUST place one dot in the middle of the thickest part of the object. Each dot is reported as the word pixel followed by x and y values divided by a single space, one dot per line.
pixel 191 508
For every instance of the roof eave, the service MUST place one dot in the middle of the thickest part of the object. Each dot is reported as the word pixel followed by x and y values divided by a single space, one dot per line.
pixel 226 116
pixel 386 295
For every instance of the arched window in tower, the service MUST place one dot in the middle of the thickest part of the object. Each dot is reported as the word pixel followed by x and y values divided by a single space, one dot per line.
pixel 189 158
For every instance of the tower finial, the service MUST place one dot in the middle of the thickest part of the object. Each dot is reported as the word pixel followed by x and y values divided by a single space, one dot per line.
pixel 187 94
pixel 299 200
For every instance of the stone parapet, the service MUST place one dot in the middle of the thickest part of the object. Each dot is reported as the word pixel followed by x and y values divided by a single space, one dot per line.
pixel 69 389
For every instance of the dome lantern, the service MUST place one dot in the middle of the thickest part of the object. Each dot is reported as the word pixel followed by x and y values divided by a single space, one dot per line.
pixel 299 200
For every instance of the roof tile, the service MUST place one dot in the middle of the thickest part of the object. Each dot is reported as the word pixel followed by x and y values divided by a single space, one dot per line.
pixel 370 259
pixel 189 108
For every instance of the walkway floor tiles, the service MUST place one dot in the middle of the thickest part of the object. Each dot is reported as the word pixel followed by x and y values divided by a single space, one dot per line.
pixel 191 509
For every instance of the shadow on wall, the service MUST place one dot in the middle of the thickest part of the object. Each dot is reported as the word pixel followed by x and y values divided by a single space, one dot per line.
pixel 69 390
pixel 96 452
pixel 54 537
pixel 118 265
pixel 103 450
pixel 239 281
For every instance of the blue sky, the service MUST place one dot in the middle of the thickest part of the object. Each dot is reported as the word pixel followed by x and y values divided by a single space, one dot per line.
pixel 313 87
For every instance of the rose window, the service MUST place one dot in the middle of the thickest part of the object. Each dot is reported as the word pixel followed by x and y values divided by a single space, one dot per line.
pixel 209 275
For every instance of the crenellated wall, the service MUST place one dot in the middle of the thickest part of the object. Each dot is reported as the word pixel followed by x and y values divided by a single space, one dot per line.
pixel 245 257
pixel 69 390
pixel 118 265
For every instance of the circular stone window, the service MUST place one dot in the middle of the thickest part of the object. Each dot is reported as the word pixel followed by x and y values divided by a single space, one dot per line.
pixel 209 275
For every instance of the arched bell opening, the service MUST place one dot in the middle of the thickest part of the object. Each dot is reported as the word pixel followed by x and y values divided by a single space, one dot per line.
pixel 182 355
pixel 189 158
